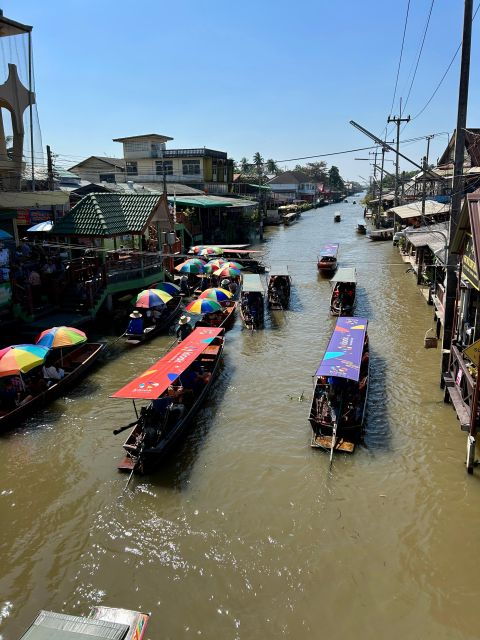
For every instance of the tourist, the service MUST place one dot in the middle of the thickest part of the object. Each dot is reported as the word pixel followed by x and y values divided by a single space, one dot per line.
pixel 135 326
pixel 184 329
pixel 52 374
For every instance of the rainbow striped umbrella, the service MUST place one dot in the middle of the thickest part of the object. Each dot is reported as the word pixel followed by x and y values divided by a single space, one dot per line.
pixel 227 272
pixel 197 248
pixel 234 265
pixel 152 298
pixel 189 267
pixel 20 358
pixel 218 262
pixel 169 287
pixel 203 305
pixel 211 251
pixel 199 261
pixel 58 337
pixel 216 293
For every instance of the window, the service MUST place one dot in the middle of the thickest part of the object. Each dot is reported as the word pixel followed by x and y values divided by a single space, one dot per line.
pixel 136 146
pixel 107 177
pixel 168 167
pixel 191 167
pixel 132 168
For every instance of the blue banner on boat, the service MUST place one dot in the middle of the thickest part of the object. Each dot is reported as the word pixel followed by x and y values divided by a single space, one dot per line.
pixel 343 356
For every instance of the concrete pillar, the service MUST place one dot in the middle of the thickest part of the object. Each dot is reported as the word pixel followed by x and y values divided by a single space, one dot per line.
pixel 470 454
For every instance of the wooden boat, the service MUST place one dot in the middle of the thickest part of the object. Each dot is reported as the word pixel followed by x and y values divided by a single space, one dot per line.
pixel 248 258
pixel 252 301
pixel 344 289
pixel 327 259
pixel 340 388
pixel 290 217
pixel 156 429
pixel 337 217
pixel 75 364
pixel 214 320
pixel 279 286
pixel 170 312
pixel 102 622
pixel 361 226
pixel 381 234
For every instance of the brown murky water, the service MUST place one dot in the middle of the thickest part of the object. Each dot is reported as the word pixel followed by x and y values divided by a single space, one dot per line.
pixel 246 533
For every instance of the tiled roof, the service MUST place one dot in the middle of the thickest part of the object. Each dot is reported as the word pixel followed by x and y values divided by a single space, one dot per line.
pixel 108 214
pixel 290 177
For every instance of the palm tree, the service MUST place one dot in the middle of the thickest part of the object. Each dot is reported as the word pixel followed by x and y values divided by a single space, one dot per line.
pixel 272 166
pixel 244 166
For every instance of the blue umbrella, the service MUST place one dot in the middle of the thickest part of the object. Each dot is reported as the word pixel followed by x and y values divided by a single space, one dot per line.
pixel 42 227
pixel 4 235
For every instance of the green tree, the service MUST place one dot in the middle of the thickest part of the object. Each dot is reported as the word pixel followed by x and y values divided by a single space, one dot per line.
pixel 335 179
pixel 245 166
pixel 272 166
pixel 259 165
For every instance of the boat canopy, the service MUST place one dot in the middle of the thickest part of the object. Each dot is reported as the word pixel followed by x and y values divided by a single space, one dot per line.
pixel 252 283
pixel 345 274
pixel 239 251
pixel 60 626
pixel 343 356
pixel 329 251
pixel 155 380
pixel 278 270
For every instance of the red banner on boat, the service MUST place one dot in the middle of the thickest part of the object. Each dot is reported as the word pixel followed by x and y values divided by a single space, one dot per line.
pixel 153 382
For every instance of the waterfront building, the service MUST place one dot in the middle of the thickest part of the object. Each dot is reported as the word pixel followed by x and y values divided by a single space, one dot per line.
pixel 293 185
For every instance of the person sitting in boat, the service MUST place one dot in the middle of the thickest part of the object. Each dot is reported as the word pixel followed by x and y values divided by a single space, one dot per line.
pixel 135 326
pixel 157 313
pixel 184 329
pixel 9 396
pixel 34 387
pixel 233 287
pixel 52 374
pixel 184 285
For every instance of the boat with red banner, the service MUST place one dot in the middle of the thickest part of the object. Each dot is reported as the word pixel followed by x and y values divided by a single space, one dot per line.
pixel 175 387
pixel 340 389
pixel 327 258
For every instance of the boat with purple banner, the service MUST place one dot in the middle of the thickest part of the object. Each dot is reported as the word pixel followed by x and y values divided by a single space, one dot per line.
pixel 340 389
pixel 327 258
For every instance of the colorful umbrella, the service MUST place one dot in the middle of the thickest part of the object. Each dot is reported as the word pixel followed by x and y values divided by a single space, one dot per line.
pixel 197 248
pixel 218 262
pixel 188 267
pixel 20 358
pixel 211 251
pixel 195 261
pixel 203 305
pixel 227 272
pixel 234 265
pixel 216 293
pixel 169 287
pixel 58 337
pixel 4 235
pixel 152 298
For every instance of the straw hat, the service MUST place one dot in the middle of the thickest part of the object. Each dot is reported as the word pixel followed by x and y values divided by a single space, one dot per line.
pixel 184 320
pixel 135 314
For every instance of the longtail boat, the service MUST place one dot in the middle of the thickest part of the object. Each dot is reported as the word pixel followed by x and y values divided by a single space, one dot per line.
pixel 169 313
pixel 361 226
pixel 279 286
pixel 344 289
pixel 75 364
pixel 381 234
pixel 327 258
pixel 252 301
pixel 176 387
pixel 340 388
pixel 102 622
pixel 337 217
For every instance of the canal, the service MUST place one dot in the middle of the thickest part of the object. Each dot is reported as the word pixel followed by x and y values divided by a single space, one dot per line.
pixel 246 533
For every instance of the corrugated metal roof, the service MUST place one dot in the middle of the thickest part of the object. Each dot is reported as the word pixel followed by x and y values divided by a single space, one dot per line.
pixel 58 626
pixel 108 214
pixel 345 274
pixel 251 282
pixel 414 209
pixel 435 237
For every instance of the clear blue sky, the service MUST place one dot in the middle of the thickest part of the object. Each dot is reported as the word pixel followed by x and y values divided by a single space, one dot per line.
pixel 282 78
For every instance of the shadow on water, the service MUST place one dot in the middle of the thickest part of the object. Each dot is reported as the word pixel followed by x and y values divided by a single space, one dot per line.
pixel 378 436
pixel 177 468
pixel 363 308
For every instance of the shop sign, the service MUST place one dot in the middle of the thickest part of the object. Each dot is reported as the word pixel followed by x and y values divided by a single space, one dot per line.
pixel 469 265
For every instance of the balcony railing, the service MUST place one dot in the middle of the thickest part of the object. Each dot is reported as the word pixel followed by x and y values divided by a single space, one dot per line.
pixel 460 386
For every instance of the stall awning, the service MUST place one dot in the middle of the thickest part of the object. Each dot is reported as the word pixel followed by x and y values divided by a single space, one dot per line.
pixel 414 209
pixel 208 202
pixel 155 380
pixel 345 274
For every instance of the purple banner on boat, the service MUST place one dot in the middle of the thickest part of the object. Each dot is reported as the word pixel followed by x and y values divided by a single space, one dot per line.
pixel 343 356
pixel 329 250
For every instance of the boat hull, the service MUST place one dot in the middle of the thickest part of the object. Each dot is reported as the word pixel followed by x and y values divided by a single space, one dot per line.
pixel 91 352
pixel 135 339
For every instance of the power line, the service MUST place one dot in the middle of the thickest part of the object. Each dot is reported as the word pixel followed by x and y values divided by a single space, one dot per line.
pixel 401 56
pixel 419 53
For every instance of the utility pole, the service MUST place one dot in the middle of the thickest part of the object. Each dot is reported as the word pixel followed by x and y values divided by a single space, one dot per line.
pixel 457 184
pixel 380 206
pixel 425 167
pixel 398 121
pixel 374 153
pixel 50 169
